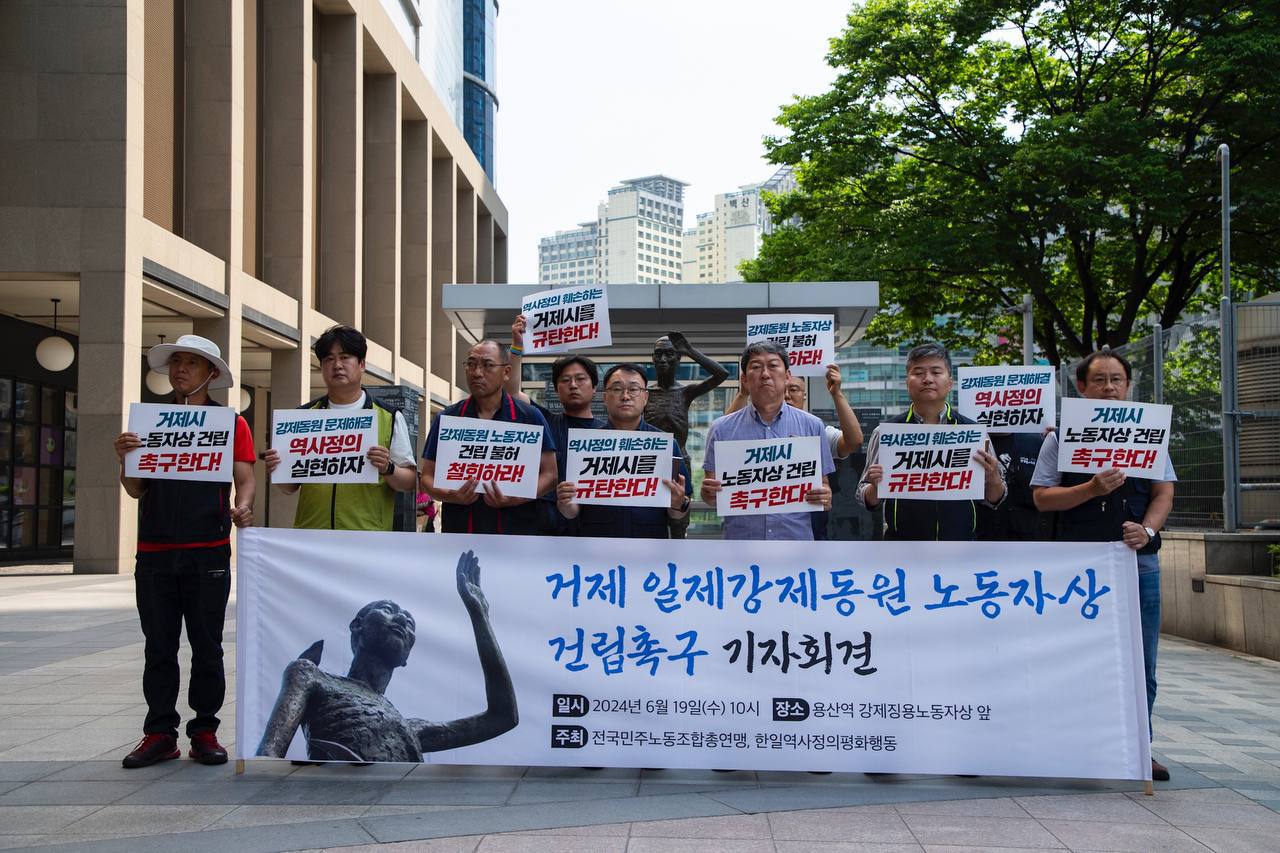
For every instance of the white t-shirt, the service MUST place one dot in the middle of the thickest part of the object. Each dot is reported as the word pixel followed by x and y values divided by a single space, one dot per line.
pixel 833 440
pixel 401 451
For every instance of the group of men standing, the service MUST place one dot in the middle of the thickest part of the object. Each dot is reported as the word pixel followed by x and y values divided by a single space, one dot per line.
pixel 183 561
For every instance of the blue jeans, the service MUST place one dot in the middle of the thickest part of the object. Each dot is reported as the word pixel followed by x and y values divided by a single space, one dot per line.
pixel 1149 608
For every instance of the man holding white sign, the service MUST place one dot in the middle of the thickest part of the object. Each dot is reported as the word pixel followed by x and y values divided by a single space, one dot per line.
pixel 1113 506
pixel 353 505
pixel 183 570
pixel 928 386
pixel 624 397
pixel 766 369
pixel 468 508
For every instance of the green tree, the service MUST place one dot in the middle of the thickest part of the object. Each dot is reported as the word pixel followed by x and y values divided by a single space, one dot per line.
pixel 970 152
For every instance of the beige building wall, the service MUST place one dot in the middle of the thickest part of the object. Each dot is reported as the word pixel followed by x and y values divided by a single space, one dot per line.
pixel 251 171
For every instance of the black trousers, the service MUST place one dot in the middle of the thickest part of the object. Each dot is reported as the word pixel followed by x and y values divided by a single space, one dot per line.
pixel 188 585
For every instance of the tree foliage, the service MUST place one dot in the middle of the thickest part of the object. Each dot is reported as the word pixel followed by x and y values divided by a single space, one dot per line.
pixel 970 152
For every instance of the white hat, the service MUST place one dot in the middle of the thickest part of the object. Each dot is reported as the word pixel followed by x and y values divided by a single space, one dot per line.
pixel 158 357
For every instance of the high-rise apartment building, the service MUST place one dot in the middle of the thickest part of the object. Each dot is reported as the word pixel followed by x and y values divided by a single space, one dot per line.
pixel 732 233
pixel 638 234
pixel 569 257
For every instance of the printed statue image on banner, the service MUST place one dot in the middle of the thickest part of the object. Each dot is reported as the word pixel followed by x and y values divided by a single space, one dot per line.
pixel 566 318
pixel 181 442
pixel 810 339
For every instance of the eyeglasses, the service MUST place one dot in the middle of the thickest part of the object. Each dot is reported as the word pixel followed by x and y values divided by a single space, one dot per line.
pixel 577 379
pixel 626 390
pixel 486 365
pixel 1103 381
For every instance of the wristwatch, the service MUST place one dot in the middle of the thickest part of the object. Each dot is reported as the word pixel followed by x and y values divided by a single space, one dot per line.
pixel 1151 534
pixel 391 467
pixel 684 507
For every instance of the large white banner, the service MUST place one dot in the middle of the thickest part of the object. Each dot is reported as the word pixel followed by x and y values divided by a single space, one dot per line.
pixel 1009 399
pixel 324 445
pixel 810 339
pixel 182 442
pixel 1101 434
pixel 913 657
pixel 566 318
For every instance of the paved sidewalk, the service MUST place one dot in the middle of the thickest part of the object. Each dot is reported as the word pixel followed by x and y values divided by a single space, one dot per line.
pixel 70 708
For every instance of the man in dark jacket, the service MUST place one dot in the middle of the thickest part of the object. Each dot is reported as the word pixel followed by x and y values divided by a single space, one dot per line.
pixel 183 570
pixel 928 385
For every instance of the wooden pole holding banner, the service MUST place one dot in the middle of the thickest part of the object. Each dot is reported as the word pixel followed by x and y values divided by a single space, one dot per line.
pixel 240 770
pixel 1149 789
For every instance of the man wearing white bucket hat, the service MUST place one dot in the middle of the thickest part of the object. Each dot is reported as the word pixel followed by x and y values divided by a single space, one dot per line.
pixel 183 568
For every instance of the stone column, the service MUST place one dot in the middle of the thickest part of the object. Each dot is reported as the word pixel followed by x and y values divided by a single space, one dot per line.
pixel 381 219
pixel 340 121
pixel 443 258
pixel 415 243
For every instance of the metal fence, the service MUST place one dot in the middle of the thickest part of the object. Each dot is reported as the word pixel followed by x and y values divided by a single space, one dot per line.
pixel 1223 381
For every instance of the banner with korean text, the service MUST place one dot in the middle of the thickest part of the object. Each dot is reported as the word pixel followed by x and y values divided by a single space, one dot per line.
pixel 1009 399
pixel 182 442
pixel 1100 434
pixel 565 319
pixel 810 339
pixel 489 452
pixel 916 657
pixel 768 475
pixel 324 445
pixel 931 461
pixel 620 467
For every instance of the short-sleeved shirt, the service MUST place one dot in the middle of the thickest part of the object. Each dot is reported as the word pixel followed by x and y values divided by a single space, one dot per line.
pixel 746 424
pixel 552 522
pixel 479 517
pixel 833 436
pixel 400 451
pixel 1047 473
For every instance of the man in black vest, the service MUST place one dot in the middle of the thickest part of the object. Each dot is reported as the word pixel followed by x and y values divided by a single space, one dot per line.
pixel 625 394
pixel 183 570
pixel 1016 518
pixel 928 385
pixel 1108 507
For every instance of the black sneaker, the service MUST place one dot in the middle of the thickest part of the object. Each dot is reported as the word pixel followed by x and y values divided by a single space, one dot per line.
pixel 152 749
pixel 1159 773
pixel 206 749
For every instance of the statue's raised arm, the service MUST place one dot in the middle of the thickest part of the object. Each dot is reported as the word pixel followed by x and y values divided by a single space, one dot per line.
pixel 501 714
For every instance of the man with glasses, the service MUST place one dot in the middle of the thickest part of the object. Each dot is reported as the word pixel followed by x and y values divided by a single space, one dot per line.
pixel 625 396
pixel 843 441
pixel 765 370
pixel 1110 507
pixel 574 377
pixel 469 509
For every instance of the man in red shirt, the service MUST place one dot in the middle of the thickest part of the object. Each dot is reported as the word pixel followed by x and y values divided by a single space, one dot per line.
pixel 183 570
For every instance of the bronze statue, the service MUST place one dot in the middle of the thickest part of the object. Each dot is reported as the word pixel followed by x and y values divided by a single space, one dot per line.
pixel 348 718
pixel 668 406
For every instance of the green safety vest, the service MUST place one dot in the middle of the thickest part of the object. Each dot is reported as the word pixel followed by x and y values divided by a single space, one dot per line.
pixel 349 506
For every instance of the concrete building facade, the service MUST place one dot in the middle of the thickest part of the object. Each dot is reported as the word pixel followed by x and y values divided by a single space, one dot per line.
pixel 246 170
pixel 732 232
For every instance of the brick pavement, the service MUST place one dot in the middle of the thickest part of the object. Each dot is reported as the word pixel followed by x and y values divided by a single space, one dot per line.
pixel 70 708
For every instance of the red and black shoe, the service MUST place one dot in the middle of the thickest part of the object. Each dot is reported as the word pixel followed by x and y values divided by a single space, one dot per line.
pixel 206 749
pixel 151 749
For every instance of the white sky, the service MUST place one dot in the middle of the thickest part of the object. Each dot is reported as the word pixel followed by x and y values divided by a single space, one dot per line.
pixel 595 91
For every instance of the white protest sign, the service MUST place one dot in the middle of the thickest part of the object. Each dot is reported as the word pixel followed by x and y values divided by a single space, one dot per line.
pixel 1099 434
pixel 489 452
pixel 768 476
pixel 810 339
pixel 619 467
pixel 182 442
pixel 1009 398
pixel 931 461
pixel 566 318
pixel 913 657
pixel 324 445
